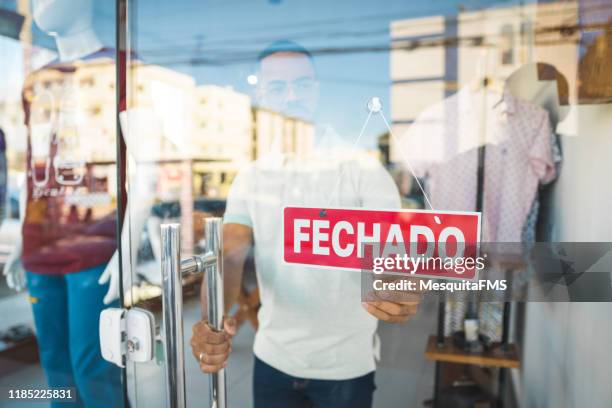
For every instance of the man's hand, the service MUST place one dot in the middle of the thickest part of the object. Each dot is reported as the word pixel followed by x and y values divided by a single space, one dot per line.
pixel 394 306
pixel 393 312
pixel 210 347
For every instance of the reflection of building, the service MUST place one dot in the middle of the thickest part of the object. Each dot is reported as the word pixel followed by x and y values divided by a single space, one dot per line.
pixel 170 121
pixel 11 121
pixel 81 95
pixel 222 137
pixel 161 106
pixel 222 124
pixel 275 131
pixel 434 56
pixel 229 133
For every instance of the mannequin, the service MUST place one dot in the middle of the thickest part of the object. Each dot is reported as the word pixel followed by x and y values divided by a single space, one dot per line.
pixel 544 86
pixel 70 23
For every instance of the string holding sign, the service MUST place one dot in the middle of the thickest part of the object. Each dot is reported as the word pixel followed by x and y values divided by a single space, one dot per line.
pixel 375 106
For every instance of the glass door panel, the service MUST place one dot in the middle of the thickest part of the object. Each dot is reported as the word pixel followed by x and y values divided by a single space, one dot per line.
pixel 242 109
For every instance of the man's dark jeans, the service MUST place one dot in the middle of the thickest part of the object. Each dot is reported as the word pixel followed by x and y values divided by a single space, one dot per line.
pixel 273 388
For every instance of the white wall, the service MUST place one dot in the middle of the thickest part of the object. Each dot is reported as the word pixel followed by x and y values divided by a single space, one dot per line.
pixel 567 360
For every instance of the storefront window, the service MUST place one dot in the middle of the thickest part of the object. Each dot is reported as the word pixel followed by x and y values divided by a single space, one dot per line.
pixel 321 133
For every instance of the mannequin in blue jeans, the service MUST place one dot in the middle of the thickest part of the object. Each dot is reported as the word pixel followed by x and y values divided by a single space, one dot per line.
pixel 66 311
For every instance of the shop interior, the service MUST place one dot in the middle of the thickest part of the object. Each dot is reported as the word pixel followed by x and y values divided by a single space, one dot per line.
pixel 503 108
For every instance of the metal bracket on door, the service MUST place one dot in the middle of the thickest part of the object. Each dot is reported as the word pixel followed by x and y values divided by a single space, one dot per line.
pixel 173 269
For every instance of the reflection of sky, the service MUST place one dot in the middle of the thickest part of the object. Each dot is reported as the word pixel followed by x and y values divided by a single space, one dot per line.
pixel 218 31
pixel 11 74
pixel 193 35
pixel 8 5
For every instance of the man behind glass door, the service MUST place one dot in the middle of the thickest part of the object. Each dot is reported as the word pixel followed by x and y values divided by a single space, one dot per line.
pixel 315 342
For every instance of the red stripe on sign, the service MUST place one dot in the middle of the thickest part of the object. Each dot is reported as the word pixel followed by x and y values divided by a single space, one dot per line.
pixel 362 239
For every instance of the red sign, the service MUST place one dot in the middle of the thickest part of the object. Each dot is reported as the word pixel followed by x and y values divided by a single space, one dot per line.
pixel 441 244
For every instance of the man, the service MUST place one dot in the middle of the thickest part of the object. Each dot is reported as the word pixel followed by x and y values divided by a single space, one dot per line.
pixel 315 342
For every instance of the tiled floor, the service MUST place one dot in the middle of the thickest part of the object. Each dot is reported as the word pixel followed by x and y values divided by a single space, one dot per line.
pixel 404 378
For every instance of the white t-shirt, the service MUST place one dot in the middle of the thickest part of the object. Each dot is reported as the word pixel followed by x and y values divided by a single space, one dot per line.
pixel 311 322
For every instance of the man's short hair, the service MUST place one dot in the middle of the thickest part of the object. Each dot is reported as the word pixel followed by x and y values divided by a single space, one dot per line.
pixel 283 46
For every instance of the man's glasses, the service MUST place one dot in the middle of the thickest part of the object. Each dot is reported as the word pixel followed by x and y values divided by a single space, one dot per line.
pixel 301 87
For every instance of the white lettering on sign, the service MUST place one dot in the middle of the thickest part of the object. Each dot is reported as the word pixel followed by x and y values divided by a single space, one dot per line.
pixel 338 228
pixel 394 240
pixel 459 238
pixel 298 235
pixel 394 244
pixel 415 232
pixel 363 238
pixel 318 235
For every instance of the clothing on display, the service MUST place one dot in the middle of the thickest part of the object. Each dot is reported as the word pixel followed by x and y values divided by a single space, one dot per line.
pixel 69 228
pixel 70 219
pixel 69 345
pixel 529 228
pixel 522 153
pixel 442 147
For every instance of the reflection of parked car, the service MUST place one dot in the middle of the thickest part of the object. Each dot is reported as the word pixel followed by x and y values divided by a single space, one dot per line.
pixel 148 276
pixel 202 208
pixel 172 209
pixel 248 300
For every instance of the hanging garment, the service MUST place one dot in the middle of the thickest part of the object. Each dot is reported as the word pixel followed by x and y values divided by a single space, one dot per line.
pixel 442 147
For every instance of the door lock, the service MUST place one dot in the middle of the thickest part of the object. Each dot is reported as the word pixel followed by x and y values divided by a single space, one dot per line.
pixel 127 334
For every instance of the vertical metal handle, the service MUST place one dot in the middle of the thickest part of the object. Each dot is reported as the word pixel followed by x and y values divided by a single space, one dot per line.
pixel 215 303
pixel 173 314
pixel 172 270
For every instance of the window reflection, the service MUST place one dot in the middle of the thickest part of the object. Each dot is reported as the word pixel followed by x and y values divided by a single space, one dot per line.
pixel 241 109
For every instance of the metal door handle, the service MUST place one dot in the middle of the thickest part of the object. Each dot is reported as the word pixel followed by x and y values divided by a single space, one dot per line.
pixel 215 302
pixel 173 269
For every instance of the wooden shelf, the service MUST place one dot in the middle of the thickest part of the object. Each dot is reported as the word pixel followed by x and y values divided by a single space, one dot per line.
pixel 494 357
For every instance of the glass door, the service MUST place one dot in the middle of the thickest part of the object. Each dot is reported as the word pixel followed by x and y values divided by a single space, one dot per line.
pixel 152 151
pixel 255 111
pixel 241 110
